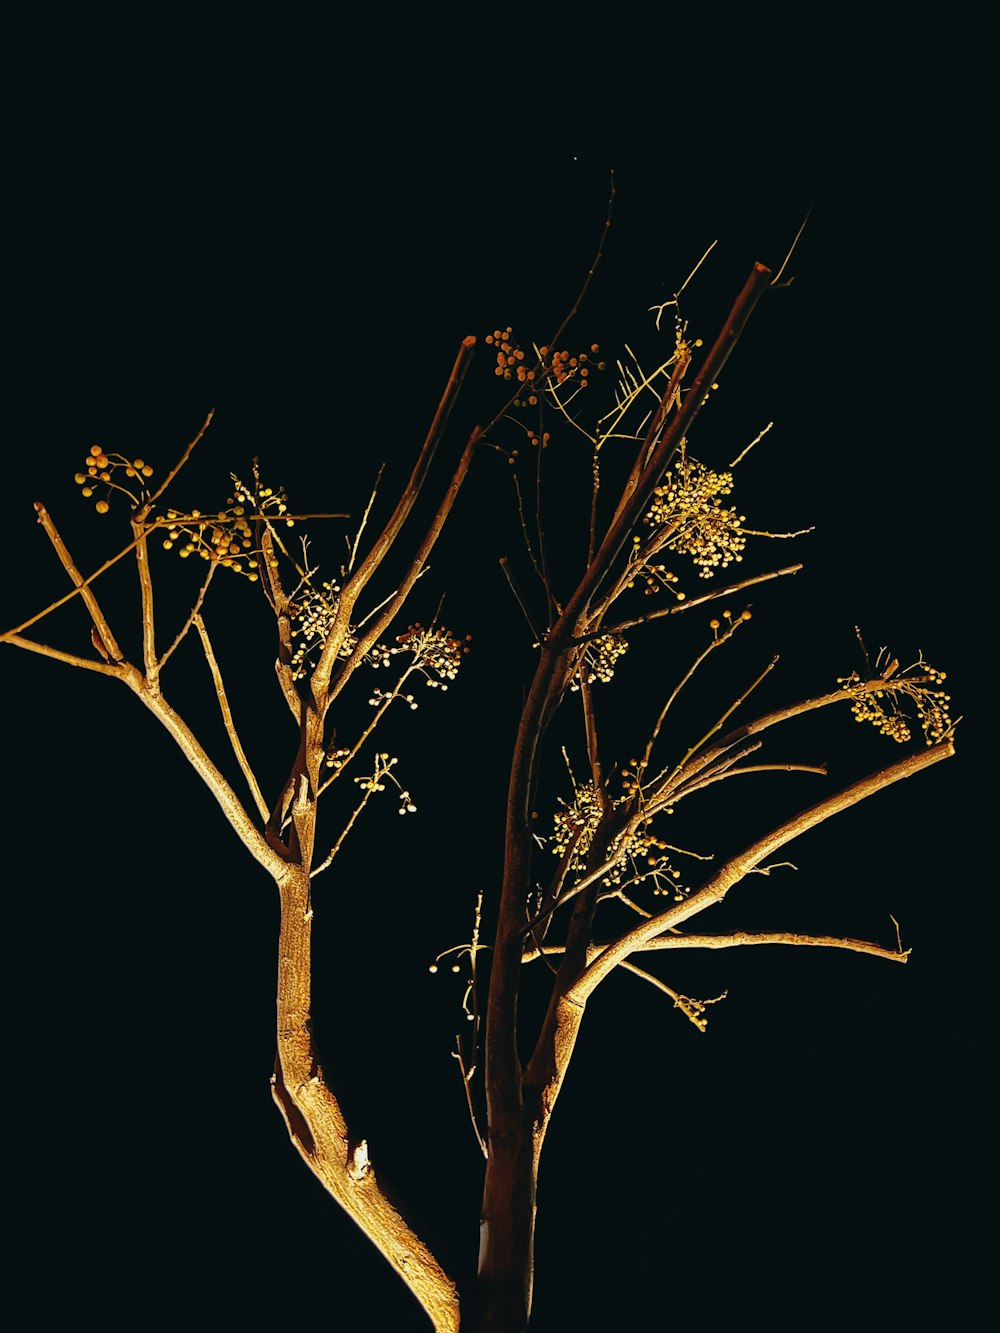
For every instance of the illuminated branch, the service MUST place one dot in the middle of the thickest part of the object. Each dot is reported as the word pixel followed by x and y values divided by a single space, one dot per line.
pixel 739 866
pixel 82 586
pixel 739 938
pixel 71 659
pixel 227 718
pixel 383 543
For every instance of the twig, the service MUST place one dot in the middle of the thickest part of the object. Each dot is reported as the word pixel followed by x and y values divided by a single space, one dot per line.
pixel 466 1077
pixel 144 511
pixel 791 250
pixel 521 601
pixel 212 567
pixel 81 586
pixel 227 718
pixel 71 659
pixel 383 543
pixel 687 605
pixel 146 594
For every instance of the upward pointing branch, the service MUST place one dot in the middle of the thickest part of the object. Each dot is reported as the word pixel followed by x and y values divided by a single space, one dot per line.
pixel 383 543
pixel 659 448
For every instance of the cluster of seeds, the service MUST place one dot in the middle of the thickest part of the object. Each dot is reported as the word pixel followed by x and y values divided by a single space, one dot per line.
pixel 634 856
pixel 654 578
pixel 437 653
pixel 313 612
pixel 640 855
pixel 576 821
pixel 226 537
pixel 375 782
pixel 546 370
pixel 689 505
pixel 114 472
pixel 600 657
pixel 878 700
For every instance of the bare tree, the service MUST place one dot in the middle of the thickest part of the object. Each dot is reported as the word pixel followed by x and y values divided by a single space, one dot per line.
pixel 591 889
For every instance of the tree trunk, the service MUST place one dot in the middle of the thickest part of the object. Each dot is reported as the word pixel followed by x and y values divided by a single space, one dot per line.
pixel 502 1300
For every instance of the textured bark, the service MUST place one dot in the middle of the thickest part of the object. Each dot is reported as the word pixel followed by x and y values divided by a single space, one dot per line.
pixel 319 1131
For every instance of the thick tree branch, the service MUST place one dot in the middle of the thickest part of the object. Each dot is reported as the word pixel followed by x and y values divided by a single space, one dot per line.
pixel 739 938
pixel 715 890
pixel 318 1128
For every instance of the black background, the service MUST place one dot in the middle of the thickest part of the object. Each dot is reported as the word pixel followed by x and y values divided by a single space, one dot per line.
pixel 299 238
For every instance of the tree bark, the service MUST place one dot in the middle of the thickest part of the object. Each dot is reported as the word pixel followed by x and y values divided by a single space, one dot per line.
pixel 502 1301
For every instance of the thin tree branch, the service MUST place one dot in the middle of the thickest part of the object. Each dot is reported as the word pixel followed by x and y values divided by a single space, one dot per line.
pixel 394 603
pixel 692 1011
pixel 144 511
pixel 212 567
pixel 81 585
pixel 227 718
pixel 686 605
pixel 71 659
pixel 146 593
pixel 521 600
pixel 383 543
pixel 680 792
pixel 466 1077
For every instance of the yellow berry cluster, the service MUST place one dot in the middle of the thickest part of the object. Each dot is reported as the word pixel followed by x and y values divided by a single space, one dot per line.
pixel 547 370
pixel 577 821
pixel 655 578
pixel 689 504
pixel 312 614
pixel 600 658
pixel 878 700
pixel 634 856
pixel 727 624
pixel 640 856
pixel 116 473
pixel 435 649
pixel 226 537
pixel 374 782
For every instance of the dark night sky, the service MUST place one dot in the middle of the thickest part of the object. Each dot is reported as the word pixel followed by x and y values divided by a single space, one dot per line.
pixel 307 263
